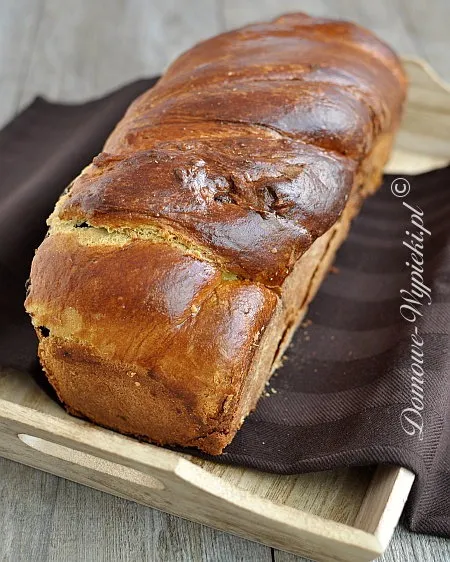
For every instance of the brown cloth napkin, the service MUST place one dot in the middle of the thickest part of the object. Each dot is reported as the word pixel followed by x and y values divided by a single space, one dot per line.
pixel 367 378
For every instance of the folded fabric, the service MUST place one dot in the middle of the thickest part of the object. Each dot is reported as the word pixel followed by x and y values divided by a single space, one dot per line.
pixel 366 379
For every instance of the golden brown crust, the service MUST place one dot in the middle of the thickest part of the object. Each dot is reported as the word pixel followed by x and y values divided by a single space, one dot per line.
pixel 179 263
pixel 326 81
pixel 255 205
pixel 157 323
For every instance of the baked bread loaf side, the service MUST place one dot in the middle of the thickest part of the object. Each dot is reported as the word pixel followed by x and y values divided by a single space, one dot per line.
pixel 180 262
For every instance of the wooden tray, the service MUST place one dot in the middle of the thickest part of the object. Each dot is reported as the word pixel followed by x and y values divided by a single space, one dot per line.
pixel 345 515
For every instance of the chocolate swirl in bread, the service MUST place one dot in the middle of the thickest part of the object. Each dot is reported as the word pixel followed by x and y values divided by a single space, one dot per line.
pixel 179 263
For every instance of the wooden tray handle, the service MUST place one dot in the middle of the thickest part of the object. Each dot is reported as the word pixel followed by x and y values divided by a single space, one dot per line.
pixel 91 462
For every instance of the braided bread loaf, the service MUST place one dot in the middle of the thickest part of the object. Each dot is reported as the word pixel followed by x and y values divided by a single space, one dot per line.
pixel 180 262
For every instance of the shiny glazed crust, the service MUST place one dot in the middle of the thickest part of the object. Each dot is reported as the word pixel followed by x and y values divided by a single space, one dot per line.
pixel 180 262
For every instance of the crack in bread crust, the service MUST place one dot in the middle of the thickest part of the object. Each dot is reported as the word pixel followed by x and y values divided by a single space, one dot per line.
pixel 94 235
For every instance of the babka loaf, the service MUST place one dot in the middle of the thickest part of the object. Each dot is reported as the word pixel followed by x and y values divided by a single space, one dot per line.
pixel 180 262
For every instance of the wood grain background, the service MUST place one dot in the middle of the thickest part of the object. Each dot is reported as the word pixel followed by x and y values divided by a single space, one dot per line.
pixel 77 49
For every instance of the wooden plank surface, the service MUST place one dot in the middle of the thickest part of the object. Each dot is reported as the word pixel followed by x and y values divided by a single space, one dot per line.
pixel 75 49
